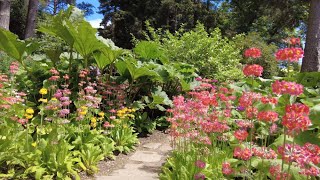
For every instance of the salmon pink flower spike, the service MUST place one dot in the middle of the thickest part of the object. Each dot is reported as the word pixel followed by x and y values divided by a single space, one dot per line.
pixel 284 87
pixel 252 52
pixel 253 70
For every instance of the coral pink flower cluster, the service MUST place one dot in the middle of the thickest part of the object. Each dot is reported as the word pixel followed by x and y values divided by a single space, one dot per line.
pixel 296 118
pixel 195 118
pixel 242 153
pixel 268 116
pixel 306 157
pixel 264 153
pixel 294 41
pixel 284 87
pixel 275 171
pixel 289 54
pixel 14 67
pixel 253 70
pixel 252 52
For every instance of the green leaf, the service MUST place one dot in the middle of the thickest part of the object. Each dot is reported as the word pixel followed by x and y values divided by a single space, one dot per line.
pixel 106 56
pixel 11 45
pixel 150 50
pixel 121 67
pixel 84 35
pixel 315 114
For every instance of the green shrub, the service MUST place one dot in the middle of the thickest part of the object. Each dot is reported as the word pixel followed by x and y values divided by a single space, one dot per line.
pixel 213 56
pixel 267 60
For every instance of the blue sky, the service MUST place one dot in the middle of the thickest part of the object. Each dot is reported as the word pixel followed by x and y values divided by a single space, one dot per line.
pixel 96 18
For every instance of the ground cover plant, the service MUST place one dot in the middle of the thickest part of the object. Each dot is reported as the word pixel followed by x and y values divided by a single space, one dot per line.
pixel 253 129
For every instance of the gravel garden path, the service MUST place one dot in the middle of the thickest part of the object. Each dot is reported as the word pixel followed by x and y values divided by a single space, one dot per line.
pixel 142 164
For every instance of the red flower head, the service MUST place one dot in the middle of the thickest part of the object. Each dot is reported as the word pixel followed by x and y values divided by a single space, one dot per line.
pixel 268 116
pixel 244 154
pixel 296 118
pixel 295 41
pixel 253 70
pixel 241 135
pixel 226 168
pixel 252 52
pixel 289 54
pixel 284 87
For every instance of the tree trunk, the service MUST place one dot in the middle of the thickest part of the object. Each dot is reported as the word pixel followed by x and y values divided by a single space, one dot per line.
pixel 311 60
pixel 5 14
pixel 31 18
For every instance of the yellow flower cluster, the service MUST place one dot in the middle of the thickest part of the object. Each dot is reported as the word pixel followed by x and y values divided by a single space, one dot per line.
pixel 29 113
pixel 43 100
pixel 126 112
pixel 83 110
pixel 43 91
pixel 101 115
pixel 93 123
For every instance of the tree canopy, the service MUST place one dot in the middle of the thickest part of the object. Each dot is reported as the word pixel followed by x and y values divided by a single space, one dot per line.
pixel 273 19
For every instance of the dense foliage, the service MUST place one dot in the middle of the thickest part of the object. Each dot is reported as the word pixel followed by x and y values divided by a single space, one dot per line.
pixel 68 105
pixel 254 129
pixel 212 55
pixel 274 20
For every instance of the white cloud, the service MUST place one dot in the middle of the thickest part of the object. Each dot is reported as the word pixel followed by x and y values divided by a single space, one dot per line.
pixel 96 23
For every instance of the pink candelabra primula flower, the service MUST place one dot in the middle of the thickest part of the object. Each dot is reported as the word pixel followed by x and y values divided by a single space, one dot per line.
pixel 269 100
pixel 241 135
pixel 248 98
pixel 294 41
pixel 244 124
pixel 252 52
pixel 251 112
pixel 242 153
pixel 284 87
pixel 253 70
pixel 296 118
pixel 275 171
pixel 289 54
pixel 200 164
pixel 199 176
pixel 264 153
pixel 226 168
pixel 14 67
pixel 268 116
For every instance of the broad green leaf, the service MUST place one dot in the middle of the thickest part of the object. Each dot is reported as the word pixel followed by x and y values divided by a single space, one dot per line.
pixel 11 45
pixel 150 50
pixel 106 56
pixel 121 67
pixel 315 115
pixel 84 35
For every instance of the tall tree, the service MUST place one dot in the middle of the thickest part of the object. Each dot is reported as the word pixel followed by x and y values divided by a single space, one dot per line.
pixel 5 14
pixel 311 60
pixel 31 18
pixel 271 18
pixel 18 17
pixel 124 18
